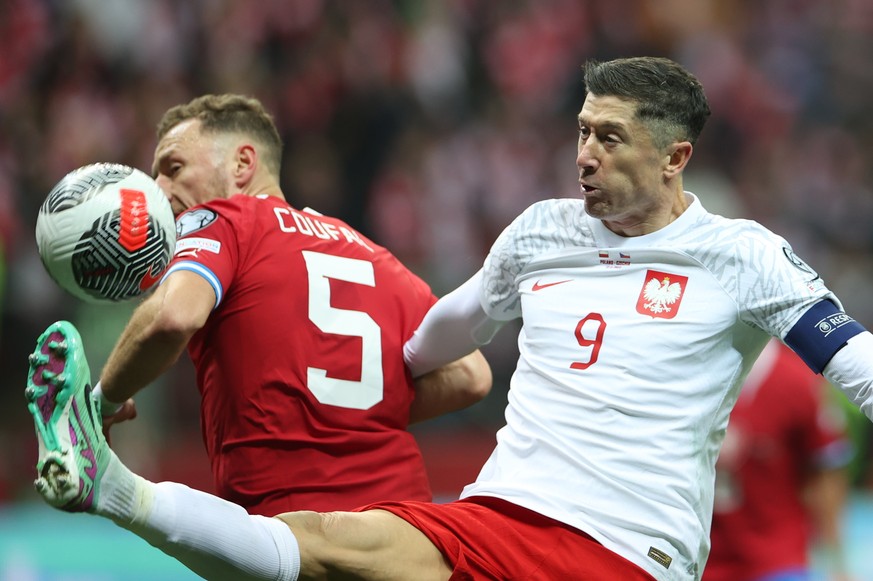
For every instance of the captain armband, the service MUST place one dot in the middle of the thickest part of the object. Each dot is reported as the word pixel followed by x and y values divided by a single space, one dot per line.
pixel 822 331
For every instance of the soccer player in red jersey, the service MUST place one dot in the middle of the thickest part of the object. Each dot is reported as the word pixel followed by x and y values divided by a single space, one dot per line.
pixel 781 481
pixel 295 323
pixel 629 365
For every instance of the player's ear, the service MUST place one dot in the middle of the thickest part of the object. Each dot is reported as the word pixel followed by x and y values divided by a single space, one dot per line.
pixel 678 155
pixel 245 164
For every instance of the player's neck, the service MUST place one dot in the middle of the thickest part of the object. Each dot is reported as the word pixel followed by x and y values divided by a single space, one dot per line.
pixel 650 220
pixel 262 189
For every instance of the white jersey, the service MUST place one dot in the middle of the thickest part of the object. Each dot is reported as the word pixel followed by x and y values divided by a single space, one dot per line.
pixel 632 354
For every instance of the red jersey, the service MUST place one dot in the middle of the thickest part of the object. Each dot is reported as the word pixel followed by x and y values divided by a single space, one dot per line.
pixel 305 395
pixel 780 430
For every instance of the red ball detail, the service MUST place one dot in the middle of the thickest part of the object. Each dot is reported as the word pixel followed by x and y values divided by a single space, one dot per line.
pixel 134 220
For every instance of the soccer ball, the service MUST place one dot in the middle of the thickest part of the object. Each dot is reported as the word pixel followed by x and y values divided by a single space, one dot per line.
pixel 106 233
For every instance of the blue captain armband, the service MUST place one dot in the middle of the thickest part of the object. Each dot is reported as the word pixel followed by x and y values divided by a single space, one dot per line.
pixel 820 333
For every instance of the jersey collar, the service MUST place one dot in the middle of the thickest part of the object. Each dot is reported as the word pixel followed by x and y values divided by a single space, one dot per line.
pixel 607 238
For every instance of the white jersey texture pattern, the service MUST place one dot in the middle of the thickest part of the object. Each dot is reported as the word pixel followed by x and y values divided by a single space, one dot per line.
pixel 632 354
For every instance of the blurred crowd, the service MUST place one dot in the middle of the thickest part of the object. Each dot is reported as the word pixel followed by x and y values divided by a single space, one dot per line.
pixel 427 124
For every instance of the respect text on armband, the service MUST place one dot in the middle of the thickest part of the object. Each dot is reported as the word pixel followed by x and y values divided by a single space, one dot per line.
pixel 833 322
pixel 294 222
pixel 820 332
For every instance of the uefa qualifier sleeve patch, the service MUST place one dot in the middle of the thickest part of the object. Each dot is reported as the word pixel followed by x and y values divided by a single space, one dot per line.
pixel 194 220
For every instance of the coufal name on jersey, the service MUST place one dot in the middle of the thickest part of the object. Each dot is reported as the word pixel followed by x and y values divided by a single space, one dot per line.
pixel 295 222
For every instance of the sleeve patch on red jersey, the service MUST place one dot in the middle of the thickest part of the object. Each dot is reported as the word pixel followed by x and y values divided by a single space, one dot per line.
pixel 194 220
pixel 191 246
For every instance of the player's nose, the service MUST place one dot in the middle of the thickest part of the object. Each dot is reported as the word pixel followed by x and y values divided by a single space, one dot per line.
pixel 586 159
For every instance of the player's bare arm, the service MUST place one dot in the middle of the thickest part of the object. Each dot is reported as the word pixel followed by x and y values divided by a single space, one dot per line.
pixel 452 387
pixel 157 334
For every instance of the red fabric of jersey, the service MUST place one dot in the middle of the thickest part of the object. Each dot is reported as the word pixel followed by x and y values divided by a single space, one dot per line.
pixel 305 396
pixel 490 539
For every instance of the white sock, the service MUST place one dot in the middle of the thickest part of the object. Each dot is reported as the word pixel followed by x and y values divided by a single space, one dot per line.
pixel 214 538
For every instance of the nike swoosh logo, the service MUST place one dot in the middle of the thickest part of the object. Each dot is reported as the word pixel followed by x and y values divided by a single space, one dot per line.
pixel 537 286
pixel 149 280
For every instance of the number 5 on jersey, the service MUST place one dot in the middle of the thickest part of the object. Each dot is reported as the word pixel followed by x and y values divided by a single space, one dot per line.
pixel 367 392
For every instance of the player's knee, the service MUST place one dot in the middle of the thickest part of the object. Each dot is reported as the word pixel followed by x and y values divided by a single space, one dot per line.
pixel 324 542
pixel 305 525
pixel 354 544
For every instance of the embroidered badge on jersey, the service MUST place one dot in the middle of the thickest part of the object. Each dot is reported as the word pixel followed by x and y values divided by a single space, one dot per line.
pixel 191 247
pixel 193 221
pixel 661 294
pixel 796 261
pixel 608 258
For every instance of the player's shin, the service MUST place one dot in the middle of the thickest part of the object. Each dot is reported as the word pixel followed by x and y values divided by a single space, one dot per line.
pixel 214 538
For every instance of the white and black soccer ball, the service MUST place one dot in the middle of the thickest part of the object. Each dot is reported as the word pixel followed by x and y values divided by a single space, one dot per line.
pixel 106 233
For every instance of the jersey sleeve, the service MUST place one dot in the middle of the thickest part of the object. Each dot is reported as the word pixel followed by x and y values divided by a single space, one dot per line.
pixel 776 287
pixel 454 327
pixel 851 369
pixel 206 245
pixel 532 232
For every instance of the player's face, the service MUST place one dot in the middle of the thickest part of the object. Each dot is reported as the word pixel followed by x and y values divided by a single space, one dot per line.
pixel 190 166
pixel 620 168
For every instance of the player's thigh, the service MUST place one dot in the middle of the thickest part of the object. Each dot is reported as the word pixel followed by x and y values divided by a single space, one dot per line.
pixel 374 545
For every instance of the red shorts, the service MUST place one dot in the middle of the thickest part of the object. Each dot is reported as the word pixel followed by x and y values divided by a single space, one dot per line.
pixel 488 538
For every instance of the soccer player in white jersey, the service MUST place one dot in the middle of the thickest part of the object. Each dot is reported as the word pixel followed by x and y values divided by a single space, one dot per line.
pixel 642 313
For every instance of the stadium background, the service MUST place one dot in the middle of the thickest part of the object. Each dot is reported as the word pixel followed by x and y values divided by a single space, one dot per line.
pixel 428 125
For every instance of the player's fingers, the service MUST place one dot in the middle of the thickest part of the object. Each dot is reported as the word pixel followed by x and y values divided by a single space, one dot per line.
pixel 127 411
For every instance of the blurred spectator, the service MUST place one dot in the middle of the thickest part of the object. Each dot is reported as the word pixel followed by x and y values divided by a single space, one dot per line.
pixel 781 479
pixel 427 124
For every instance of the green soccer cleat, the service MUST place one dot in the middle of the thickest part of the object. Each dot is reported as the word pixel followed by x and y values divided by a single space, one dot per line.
pixel 73 453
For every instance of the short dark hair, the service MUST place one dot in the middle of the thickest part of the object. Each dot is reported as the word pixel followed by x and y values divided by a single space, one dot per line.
pixel 669 98
pixel 230 113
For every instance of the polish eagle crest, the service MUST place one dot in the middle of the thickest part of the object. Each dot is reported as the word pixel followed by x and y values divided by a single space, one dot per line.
pixel 661 294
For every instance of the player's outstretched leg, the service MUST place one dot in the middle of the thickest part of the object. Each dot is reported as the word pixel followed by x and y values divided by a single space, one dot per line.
pixel 78 472
pixel 73 452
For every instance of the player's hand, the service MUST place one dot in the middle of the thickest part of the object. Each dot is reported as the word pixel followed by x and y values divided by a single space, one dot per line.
pixel 127 411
